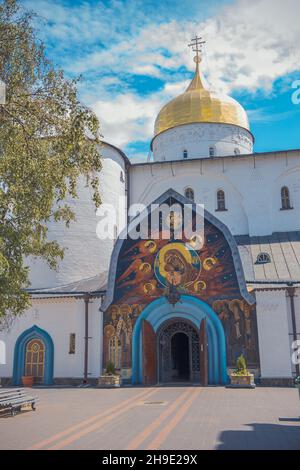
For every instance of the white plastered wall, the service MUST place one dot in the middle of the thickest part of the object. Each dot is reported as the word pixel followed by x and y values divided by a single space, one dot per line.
pixel 273 334
pixel 197 139
pixel 85 254
pixel 59 318
pixel 252 186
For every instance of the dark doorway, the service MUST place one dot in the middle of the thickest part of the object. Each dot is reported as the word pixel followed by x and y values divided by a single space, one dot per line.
pixel 180 357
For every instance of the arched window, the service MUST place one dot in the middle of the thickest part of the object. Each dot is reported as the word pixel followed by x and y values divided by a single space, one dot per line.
pixel 189 194
pixel 221 200
pixel 237 151
pixel 285 198
pixel 185 154
pixel 212 152
pixel 122 177
pixel 263 258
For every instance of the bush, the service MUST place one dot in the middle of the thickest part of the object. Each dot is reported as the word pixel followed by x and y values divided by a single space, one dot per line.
pixel 241 366
pixel 110 368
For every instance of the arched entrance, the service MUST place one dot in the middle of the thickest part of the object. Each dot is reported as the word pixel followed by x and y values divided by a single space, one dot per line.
pixel 178 352
pixel 191 311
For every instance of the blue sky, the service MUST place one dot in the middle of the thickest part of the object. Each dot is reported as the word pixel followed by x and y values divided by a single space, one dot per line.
pixel 133 58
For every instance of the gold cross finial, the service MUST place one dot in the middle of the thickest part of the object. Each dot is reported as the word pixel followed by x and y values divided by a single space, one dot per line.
pixel 197 46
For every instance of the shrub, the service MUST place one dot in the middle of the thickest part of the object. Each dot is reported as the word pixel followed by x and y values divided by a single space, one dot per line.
pixel 110 368
pixel 241 364
pixel 241 367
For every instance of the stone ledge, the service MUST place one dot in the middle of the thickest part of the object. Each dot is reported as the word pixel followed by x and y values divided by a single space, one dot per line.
pixel 60 381
pixel 276 382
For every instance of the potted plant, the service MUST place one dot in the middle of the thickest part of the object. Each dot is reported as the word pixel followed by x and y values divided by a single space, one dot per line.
pixel 110 378
pixel 241 377
pixel 27 380
pixel 297 383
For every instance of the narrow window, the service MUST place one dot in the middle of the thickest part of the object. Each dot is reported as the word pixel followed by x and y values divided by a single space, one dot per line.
pixel 285 198
pixel 122 177
pixel 211 152
pixel 237 151
pixel 221 201
pixel 189 194
pixel 185 154
pixel 72 341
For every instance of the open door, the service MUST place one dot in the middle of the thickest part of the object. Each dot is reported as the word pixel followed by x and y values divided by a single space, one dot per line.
pixel 149 354
pixel 203 354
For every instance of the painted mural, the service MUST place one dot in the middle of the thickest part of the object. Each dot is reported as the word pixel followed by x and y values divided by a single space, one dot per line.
pixel 152 268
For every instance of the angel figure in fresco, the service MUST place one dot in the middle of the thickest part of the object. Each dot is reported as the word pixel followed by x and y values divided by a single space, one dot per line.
pixel 235 307
pixel 136 273
pixel 141 249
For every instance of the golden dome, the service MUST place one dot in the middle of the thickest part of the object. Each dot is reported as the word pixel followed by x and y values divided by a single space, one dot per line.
pixel 199 104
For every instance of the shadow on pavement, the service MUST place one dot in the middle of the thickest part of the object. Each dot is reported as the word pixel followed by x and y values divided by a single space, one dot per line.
pixel 261 436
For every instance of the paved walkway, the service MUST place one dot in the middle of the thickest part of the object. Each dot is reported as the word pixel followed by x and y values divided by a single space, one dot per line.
pixel 157 418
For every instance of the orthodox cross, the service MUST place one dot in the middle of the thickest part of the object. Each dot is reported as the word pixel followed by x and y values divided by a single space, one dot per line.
pixel 197 45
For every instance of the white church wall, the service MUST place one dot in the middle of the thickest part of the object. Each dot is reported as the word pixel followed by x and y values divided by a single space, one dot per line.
pixel 60 318
pixel 85 255
pixel 198 138
pixel 252 186
pixel 290 178
pixel 96 339
pixel 273 334
pixel 205 189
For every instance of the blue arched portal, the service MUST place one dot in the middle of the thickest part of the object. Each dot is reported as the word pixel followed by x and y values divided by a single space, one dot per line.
pixel 194 310
pixel 19 354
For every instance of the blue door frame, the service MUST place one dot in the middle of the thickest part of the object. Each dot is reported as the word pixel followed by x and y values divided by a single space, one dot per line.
pixel 20 349
pixel 194 310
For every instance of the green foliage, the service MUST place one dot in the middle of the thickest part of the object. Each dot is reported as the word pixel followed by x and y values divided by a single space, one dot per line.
pixel 241 366
pixel 43 149
pixel 241 363
pixel 110 368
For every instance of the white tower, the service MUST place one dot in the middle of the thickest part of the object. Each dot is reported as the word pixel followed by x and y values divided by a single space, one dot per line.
pixel 85 254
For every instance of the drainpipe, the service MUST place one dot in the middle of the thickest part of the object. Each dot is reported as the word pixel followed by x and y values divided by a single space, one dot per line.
pixel 291 294
pixel 86 337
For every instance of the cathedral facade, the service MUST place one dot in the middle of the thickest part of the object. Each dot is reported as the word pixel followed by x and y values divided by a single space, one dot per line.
pixel 167 306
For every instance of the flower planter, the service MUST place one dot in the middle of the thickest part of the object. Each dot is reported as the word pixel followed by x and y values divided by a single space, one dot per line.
pixel 109 381
pixel 27 380
pixel 242 381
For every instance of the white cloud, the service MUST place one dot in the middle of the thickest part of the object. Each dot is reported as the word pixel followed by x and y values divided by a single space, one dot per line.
pixel 249 45
pixel 128 117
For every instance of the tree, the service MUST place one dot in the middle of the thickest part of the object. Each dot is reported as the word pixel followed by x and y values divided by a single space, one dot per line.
pixel 47 139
